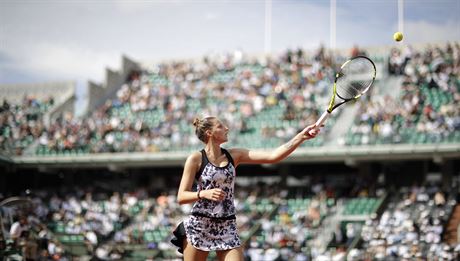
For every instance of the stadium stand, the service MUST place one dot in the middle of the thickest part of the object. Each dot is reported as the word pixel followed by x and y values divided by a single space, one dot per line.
pixel 411 226
pixel 316 222
pixel 255 99
pixel 266 98
pixel 426 110
pixel 27 111
pixel 148 109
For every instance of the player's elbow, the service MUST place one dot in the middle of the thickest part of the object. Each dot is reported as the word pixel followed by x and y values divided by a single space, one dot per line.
pixel 180 199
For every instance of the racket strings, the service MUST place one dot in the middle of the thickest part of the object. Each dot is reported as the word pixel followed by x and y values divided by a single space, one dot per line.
pixel 355 78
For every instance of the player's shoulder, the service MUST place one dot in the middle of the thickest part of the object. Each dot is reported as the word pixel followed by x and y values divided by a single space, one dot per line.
pixel 194 157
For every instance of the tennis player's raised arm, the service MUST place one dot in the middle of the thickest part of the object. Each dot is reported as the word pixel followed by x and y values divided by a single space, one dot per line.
pixel 276 155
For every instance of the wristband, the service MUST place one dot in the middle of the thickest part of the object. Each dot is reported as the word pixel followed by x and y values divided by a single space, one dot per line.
pixel 198 194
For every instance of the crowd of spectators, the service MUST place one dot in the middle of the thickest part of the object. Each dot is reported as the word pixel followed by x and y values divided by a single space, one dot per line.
pixel 28 236
pixel 411 227
pixel 21 124
pixel 269 97
pixel 275 223
pixel 291 232
pixel 233 87
pixel 110 223
pixel 52 216
pixel 426 111
pixel 152 111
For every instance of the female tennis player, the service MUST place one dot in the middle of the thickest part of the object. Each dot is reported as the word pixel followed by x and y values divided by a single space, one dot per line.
pixel 212 224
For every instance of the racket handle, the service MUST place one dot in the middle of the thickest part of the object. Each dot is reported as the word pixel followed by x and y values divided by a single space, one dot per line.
pixel 321 120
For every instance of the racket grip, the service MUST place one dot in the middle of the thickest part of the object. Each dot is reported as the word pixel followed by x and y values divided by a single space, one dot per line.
pixel 321 120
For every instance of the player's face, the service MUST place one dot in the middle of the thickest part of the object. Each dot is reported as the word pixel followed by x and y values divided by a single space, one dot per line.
pixel 220 131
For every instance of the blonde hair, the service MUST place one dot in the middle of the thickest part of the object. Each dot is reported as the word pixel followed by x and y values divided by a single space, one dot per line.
pixel 201 126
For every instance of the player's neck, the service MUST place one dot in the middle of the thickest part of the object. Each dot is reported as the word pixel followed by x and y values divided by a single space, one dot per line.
pixel 213 150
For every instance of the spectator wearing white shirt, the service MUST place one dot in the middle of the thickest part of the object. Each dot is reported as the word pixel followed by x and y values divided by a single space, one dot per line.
pixel 18 227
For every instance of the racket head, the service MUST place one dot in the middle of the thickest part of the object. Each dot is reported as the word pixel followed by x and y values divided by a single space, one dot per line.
pixel 355 78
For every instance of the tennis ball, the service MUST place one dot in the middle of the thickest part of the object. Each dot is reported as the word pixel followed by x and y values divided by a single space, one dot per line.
pixel 398 36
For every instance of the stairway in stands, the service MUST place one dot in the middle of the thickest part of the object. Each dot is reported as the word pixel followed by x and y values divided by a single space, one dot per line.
pixel 450 234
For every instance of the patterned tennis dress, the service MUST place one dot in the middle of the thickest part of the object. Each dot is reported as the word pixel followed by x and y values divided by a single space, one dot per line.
pixel 212 224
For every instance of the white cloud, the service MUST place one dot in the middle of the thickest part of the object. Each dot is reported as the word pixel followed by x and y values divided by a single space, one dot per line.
pixel 211 16
pixel 55 62
pixel 299 25
pixel 379 32
pixel 58 61
pixel 424 32
pixel 129 6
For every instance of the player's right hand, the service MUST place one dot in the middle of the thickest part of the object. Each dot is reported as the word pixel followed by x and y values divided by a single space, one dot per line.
pixel 310 132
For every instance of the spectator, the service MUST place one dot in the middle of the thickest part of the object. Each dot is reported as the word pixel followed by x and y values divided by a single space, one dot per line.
pixel 19 228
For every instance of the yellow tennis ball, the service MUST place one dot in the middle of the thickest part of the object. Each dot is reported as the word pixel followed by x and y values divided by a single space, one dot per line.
pixel 398 36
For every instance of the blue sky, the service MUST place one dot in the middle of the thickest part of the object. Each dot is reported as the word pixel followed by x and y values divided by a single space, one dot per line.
pixel 49 40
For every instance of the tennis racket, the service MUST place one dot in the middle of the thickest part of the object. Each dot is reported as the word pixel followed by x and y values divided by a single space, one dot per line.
pixel 354 79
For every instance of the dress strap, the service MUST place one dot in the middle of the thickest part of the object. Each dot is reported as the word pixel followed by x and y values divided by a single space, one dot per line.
pixel 229 156
pixel 204 162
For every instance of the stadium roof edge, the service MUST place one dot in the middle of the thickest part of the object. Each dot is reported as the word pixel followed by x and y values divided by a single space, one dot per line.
pixel 436 152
